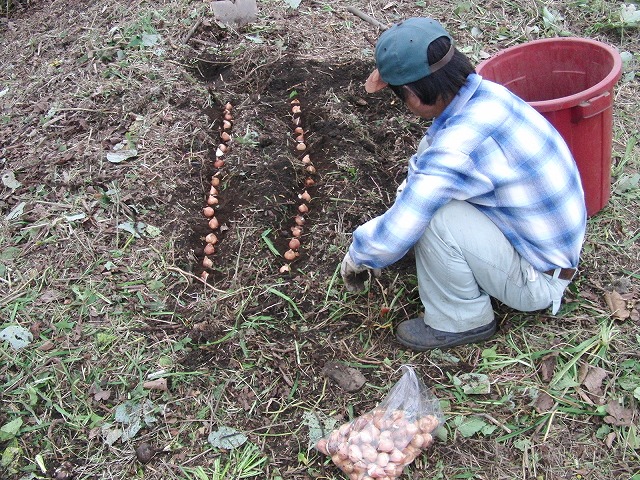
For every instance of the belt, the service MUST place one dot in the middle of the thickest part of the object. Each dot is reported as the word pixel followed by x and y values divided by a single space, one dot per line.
pixel 564 274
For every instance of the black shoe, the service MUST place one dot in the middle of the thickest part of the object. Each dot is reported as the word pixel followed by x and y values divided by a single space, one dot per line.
pixel 416 335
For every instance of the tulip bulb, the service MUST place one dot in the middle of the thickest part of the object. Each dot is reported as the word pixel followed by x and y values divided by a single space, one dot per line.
pixel 214 223
pixel 301 146
pixel 225 137
pixel 207 262
pixel 209 249
pixel 294 244
pixel 305 196
pixel 208 212
pixel 290 255
pixel 211 238
pixel 302 208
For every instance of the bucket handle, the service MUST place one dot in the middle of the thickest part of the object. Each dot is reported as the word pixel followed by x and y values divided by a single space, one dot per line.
pixel 591 108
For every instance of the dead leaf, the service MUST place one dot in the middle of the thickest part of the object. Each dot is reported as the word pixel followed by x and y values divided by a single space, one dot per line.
pixel 98 393
pixel 617 305
pixel 618 415
pixel 347 378
pixel 47 346
pixel 51 295
pixel 157 384
pixel 544 402
pixel 548 366
pixel 608 441
pixel 593 379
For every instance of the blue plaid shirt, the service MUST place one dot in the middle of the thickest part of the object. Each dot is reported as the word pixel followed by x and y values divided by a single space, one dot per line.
pixel 493 150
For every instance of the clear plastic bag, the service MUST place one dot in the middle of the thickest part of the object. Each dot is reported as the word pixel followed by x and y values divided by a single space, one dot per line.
pixel 380 443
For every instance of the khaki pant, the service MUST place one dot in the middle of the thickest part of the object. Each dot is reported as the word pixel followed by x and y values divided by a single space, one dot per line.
pixel 463 260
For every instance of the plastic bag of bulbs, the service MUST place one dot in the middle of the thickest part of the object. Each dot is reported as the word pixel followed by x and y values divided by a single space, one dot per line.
pixel 380 443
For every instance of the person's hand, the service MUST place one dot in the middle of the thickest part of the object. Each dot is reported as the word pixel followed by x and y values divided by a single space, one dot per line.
pixel 354 275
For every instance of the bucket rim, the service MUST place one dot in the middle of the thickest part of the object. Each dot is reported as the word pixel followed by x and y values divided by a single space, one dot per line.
pixel 606 84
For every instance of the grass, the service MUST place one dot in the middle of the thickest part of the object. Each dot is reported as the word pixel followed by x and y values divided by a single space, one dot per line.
pixel 111 309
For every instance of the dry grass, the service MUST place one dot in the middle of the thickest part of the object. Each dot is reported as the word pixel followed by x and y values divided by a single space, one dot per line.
pixel 110 309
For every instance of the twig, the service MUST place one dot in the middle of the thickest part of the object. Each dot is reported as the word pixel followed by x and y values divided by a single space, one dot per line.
pixel 367 18
pixel 191 31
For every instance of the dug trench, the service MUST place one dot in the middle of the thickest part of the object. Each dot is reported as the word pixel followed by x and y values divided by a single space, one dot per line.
pixel 353 147
pixel 359 146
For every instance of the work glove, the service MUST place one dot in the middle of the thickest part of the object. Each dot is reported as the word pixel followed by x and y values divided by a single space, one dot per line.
pixel 354 275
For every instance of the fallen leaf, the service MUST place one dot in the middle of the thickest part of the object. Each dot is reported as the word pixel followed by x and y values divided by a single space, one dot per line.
pixel 618 415
pixel 544 403
pixel 617 305
pixel 593 379
pixel 347 378
pixel 158 384
pixel 227 438
pixel 548 366
pixel 17 336
pixel 47 346
pixel 118 156
pixel 608 441
pixel 473 383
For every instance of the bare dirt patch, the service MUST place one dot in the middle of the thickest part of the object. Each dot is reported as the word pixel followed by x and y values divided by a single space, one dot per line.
pixel 101 261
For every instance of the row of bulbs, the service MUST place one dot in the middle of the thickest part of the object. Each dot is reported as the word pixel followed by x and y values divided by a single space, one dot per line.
pixel 299 220
pixel 211 239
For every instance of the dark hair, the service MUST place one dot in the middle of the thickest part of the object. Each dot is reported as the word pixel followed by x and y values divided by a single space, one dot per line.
pixel 443 83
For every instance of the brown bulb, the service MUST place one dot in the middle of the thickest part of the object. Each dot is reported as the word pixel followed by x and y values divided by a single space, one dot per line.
pixel 228 106
pixel 211 238
pixel 296 231
pixel 298 130
pixel 290 255
pixel 207 262
pixel 301 146
pixel 306 159
pixel 215 181
pixel 225 137
pixel 309 182
pixel 226 124
pixel 208 212
pixel 302 208
pixel 209 249
pixel 214 223
pixel 299 219
pixel 212 200
pixel 305 196
pixel 219 163
pixel 294 244
pixel 311 169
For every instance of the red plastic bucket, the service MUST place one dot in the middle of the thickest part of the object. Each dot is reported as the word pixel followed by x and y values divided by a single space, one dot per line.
pixel 570 82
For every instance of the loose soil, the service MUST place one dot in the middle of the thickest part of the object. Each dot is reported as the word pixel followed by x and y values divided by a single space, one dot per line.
pixel 259 338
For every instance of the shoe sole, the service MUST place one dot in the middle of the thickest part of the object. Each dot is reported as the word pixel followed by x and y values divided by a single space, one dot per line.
pixel 470 338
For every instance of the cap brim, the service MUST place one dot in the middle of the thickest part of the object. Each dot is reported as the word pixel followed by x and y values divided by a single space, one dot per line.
pixel 374 82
